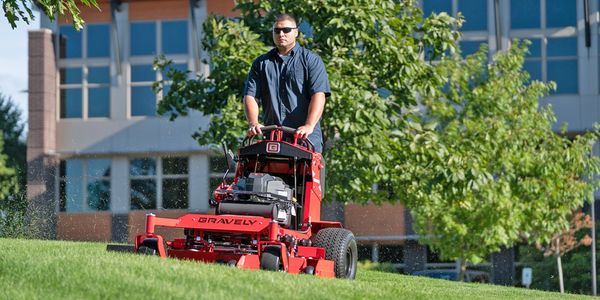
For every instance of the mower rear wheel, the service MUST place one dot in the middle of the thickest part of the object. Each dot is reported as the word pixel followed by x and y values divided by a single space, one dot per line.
pixel 270 258
pixel 340 246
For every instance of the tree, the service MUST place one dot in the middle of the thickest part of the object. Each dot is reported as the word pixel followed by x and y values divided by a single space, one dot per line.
pixel 13 169
pixel 13 127
pixel 484 167
pixel 372 51
pixel 20 10
pixel 575 263
pixel 8 178
pixel 462 143
pixel 566 241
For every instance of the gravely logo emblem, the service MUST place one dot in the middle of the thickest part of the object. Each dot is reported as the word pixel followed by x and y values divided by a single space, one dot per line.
pixel 273 147
pixel 226 221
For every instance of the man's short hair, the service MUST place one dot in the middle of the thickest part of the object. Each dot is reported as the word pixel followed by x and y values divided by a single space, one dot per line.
pixel 284 17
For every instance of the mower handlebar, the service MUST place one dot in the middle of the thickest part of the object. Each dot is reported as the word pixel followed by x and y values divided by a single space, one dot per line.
pixel 285 129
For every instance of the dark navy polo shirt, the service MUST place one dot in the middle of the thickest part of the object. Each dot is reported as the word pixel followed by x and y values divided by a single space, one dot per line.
pixel 284 86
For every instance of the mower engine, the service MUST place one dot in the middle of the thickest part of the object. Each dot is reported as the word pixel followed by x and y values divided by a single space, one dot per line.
pixel 260 194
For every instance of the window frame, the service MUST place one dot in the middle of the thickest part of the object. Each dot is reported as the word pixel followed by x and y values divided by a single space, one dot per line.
pixel 84 179
pixel 543 33
pixel 158 179
pixel 84 62
pixel 481 36
pixel 135 60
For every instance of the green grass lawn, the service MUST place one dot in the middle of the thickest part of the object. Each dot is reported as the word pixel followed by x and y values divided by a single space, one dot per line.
pixel 31 269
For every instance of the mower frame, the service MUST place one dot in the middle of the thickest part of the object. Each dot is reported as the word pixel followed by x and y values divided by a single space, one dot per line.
pixel 258 242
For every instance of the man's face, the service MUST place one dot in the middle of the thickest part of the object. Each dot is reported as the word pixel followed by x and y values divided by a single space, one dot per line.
pixel 280 37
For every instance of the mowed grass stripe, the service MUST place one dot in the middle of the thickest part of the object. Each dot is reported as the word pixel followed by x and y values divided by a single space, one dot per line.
pixel 33 269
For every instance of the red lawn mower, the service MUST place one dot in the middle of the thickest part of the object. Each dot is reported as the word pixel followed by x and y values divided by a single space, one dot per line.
pixel 268 217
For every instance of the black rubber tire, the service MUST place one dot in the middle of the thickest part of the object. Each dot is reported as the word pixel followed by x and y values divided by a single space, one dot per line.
pixel 310 270
pixel 150 247
pixel 340 246
pixel 270 258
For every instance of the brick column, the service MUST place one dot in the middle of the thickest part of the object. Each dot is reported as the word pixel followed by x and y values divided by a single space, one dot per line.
pixel 41 138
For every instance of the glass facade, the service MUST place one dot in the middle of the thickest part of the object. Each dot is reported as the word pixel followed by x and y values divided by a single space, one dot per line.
pixel 70 42
pixel 174 37
pixel 143 99
pixel 551 27
pixel 159 178
pixel 143 38
pixel 84 71
pixel 475 27
pixel 525 14
pixel 84 185
pixel 475 14
pixel 98 40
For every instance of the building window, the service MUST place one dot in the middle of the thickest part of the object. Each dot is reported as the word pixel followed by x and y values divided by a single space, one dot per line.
pixel 98 40
pixel 84 185
pixel 159 37
pixel 143 38
pixel 533 60
pixel 70 42
pixel 77 89
pixel 143 99
pixel 159 183
pixel 96 45
pixel 84 71
pixel 525 14
pixel 148 39
pixel 551 27
pixel 218 167
pixel 474 29
pixel 562 64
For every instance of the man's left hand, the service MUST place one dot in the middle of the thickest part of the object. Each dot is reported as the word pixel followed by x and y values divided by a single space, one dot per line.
pixel 304 131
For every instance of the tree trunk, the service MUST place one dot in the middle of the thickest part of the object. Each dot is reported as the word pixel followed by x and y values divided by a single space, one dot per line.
pixel 559 265
pixel 462 269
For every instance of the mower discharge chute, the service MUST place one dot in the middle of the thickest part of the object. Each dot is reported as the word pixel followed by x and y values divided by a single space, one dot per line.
pixel 268 217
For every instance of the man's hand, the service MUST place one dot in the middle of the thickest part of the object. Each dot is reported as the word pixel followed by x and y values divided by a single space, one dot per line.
pixel 254 129
pixel 304 131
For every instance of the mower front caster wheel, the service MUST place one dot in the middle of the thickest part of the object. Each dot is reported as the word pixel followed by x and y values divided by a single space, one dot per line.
pixel 150 247
pixel 270 258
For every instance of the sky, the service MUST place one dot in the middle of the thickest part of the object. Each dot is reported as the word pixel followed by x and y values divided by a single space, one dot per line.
pixel 13 61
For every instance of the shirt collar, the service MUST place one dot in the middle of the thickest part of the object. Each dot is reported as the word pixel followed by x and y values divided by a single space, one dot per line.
pixel 294 50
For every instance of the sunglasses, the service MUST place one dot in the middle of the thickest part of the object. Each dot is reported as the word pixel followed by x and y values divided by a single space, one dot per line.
pixel 284 29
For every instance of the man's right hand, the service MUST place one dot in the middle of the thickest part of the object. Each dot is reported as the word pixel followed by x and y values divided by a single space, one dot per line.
pixel 254 129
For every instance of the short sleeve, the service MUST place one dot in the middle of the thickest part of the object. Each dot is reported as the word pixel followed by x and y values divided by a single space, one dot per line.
pixel 319 81
pixel 252 87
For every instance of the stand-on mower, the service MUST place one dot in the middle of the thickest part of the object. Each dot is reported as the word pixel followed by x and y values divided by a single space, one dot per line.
pixel 268 217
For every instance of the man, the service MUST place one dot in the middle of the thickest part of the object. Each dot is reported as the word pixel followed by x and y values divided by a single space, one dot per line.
pixel 290 83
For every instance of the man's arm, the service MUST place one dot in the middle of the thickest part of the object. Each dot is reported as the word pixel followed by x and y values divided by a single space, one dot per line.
pixel 251 107
pixel 315 110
